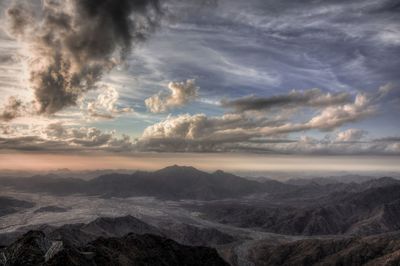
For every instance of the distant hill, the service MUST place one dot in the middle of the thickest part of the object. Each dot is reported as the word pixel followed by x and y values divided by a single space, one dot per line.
pixel 172 182
pixel 179 182
pixel 346 179
pixel 10 205
pixel 373 210
pixel 375 250
pixel 315 192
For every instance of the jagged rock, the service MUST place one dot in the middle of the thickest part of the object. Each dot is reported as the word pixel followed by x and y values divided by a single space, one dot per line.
pixel 374 250
pixel 36 249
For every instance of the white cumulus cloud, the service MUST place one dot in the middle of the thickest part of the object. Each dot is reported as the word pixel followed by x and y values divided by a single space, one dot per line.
pixel 180 93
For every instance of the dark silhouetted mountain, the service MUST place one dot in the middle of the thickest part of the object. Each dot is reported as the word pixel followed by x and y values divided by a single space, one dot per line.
pixel 46 183
pixel 372 211
pixel 379 182
pixel 11 205
pixel 374 250
pixel 172 182
pixel 346 179
pixel 177 183
pixel 34 248
pixel 314 191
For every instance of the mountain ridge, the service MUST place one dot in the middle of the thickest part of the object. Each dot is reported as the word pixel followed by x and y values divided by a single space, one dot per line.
pixel 174 183
pixel 35 249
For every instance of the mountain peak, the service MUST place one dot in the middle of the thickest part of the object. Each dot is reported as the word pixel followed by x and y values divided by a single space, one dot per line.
pixel 219 172
pixel 176 167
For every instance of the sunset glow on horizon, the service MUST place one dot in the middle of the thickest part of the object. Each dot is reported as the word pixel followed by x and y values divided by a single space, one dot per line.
pixel 206 161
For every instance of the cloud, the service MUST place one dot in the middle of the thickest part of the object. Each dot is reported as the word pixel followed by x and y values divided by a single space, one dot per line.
pixel 196 133
pixel 105 106
pixel 312 98
pixel 180 94
pixel 59 138
pixel 83 137
pixel 12 109
pixel 73 43
pixel 233 130
pixel 334 116
pixel 236 133
pixel 386 89
pixel 250 131
pixel 350 135
pixel 388 139
pixel 310 145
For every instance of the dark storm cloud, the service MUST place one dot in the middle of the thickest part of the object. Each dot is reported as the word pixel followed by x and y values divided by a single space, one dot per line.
pixel 73 43
pixel 312 98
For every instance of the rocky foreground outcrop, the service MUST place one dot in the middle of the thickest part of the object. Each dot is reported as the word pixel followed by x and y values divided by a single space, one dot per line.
pixel 34 248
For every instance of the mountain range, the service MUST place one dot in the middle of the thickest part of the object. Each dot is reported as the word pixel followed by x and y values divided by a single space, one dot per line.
pixel 212 216
pixel 172 183
pixel 175 183
pixel 370 211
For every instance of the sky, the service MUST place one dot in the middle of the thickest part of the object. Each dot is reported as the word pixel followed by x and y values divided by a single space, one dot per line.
pixel 214 79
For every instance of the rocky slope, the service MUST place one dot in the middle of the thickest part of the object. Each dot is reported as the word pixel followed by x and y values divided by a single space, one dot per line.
pixel 34 248
pixel 81 234
pixel 374 250
pixel 372 211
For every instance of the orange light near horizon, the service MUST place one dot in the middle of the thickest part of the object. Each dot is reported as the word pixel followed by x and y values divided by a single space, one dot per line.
pixel 209 162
